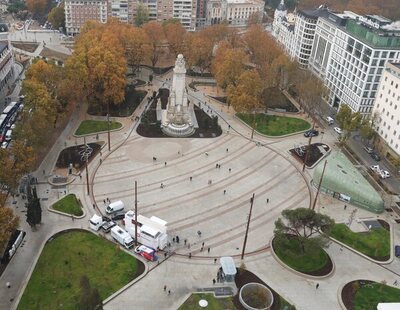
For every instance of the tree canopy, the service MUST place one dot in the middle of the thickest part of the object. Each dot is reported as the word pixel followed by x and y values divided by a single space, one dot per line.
pixel 348 121
pixel 57 16
pixel 304 224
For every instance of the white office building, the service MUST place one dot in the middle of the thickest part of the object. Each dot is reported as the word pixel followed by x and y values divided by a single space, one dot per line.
pixel 296 32
pixel 387 107
pixel 235 12
pixel 349 54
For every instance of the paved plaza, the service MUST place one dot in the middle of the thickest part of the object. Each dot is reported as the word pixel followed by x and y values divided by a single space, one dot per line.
pixel 193 199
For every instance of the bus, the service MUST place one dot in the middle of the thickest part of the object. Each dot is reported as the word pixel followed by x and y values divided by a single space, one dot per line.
pixel 11 108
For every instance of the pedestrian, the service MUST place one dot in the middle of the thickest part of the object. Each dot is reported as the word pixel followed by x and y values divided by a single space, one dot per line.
pixel 185 241
pixel 165 163
pixel 229 126
pixel 230 170
pixel 165 255
pixel 104 201
pixel 204 153
pixel 267 200
pixel 224 191
pixel 208 250
pixel 395 283
pixel 173 239
pixel 199 233
pixel 169 292
pixel 101 160
pixel 177 239
pixel 317 286
pixel 345 207
pixel 80 176
pixel 189 246
pixel 214 281
pixel 165 288
pixel 227 150
pixel 190 255
pixel 190 179
pixel 162 185
pixel 8 284
pixel 202 244
pixel 94 206
pixel 215 260
pixel 44 172
pixel 216 165
pixel 169 244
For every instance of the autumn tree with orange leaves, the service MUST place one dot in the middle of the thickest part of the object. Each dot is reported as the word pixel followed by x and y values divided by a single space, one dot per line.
pixel 155 33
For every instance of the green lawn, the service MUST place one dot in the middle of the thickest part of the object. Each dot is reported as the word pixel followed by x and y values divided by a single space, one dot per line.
pixel 69 204
pixel 375 243
pixel 273 125
pixel 368 297
pixel 91 126
pixel 68 257
pixel 289 251
pixel 192 302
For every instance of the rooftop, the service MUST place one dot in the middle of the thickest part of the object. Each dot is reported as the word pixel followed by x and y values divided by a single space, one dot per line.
pixel 321 11
pixel 396 64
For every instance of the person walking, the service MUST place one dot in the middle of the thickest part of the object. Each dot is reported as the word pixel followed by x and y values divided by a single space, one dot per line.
pixel 190 179
pixel 202 245
pixel 208 250
pixel 165 163
pixel 345 207
pixel 224 191
pixel 227 150
pixel 8 284
pixel 169 292
pixel 199 233
pixel 267 200
pixel 214 281
pixel 215 260
pixel 94 206
pixel 317 286
pixel 165 288
pixel 190 255
pixel 230 170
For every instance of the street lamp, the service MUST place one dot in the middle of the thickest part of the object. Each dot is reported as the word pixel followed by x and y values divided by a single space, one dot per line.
pixel 108 126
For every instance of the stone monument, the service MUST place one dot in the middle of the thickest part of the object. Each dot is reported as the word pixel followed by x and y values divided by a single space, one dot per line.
pixel 178 119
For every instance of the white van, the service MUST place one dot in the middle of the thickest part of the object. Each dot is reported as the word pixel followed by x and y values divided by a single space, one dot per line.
pixel 115 207
pixel 330 120
pixel 8 135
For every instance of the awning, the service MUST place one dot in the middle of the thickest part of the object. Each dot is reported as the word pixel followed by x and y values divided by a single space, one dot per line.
pixel 228 265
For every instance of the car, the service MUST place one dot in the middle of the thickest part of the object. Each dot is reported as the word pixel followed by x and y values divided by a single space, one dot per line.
pixel 4 145
pixel 384 174
pixel 369 150
pixel 375 168
pixel 311 133
pixel 106 227
pixel 146 252
pixel 329 120
pixel 118 216
pixel 338 130
pixel 375 156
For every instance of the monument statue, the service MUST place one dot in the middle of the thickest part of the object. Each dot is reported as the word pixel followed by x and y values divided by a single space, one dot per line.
pixel 178 119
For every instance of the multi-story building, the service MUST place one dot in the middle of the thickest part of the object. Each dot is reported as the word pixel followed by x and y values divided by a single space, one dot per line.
pixel 201 13
pixel 7 74
pixel 123 10
pixel 235 12
pixel 296 34
pixel 78 12
pixel 151 6
pixel 387 109
pixel 182 10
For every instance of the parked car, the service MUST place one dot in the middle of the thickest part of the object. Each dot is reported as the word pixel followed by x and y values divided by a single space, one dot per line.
pixel 375 168
pixel 118 216
pixel 384 174
pixel 368 149
pixel 106 227
pixel 338 130
pixel 311 133
pixel 4 145
pixel 375 156
pixel 329 120
pixel 397 250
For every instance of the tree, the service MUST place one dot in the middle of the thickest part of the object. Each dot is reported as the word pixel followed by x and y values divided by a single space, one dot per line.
pixel 367 127
pixel 142 15
pixel 89 297
pixel 8 224
pixel 175 34
pixel 57 16
pixel 97 68
pixel 34 210
pixel 37 7
pixel 348 121
pixel 15 163
pixel 16 6
pixel 305 224
pixel 310 91
pixel 156 37
pixel 246 96
pixel 199 49
pixel 228 65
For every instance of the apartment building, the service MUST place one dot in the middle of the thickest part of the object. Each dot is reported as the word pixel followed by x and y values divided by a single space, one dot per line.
pixel 182 10
pixel 78 12
pixel 151 6
pixel 235 12
pixel 7 74
pixel 387 108
pixel 123 10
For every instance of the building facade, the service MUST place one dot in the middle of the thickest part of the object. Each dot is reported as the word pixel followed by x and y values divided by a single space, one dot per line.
pixel 78 12
pixel 123 10
pixel 387 109
pixel 7 72
pixel 182 10
pixel 151 6
pixel 234 12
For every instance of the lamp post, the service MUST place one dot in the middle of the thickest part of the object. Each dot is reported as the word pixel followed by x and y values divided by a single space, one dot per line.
pixel 319 186
pixel 247 227
pixel 108 126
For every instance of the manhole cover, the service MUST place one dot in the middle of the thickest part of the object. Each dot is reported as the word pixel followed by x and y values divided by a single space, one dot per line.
pixel 203 303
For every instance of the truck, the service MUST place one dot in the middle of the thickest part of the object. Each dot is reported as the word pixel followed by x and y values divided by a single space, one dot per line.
pixel 122 237
pixel 150 233
pixel 115 207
